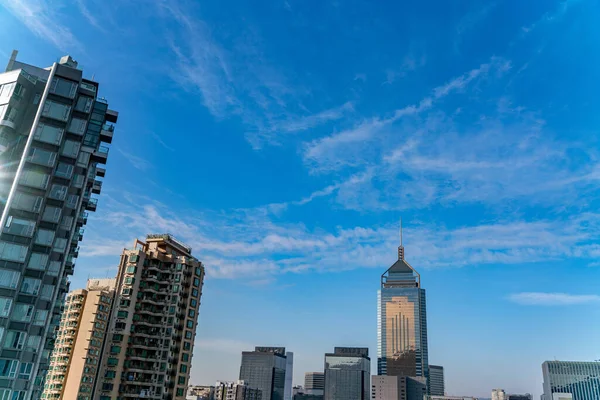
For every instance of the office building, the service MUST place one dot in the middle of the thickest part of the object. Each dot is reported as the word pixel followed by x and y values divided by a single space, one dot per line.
pixel 580 379
pixel 429 397
pixel 289 376
pixel 264 369
pixel 436 380
pixel 402 322
pixel 498 394
pixel 560 396
pixel 314 383
pixel 150 339
pixel 347 374
pixel 385 387
pixel 52 123
pixel 79 341
pixel 236 391
pixel 307 396
pixel 526 396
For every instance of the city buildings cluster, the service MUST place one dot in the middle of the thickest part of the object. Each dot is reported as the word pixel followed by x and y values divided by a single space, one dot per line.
pixel 132 336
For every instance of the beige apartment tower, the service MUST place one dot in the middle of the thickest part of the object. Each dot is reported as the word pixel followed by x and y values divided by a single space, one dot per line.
pixel 79 341
pixel 150 339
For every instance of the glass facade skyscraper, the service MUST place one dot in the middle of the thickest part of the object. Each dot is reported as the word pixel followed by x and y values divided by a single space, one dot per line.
pixel 264 369
pixel 580 379
pixel 347 374
pixel 402 322
pixel 52 124
pixel 436 380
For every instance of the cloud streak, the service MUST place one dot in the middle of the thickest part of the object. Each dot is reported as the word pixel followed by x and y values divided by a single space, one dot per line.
pixel 552 299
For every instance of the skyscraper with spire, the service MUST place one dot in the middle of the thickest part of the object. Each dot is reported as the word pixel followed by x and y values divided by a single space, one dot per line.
pixel 402 321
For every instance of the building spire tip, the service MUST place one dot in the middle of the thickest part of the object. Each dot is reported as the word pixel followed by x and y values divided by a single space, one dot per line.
pixel 401 247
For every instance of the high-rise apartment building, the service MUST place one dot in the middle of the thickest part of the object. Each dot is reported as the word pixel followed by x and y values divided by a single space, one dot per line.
pixel 498 394
pixel 150 339
pixel 52 124
pixel 264 369
pixel 402 322
pixel 436 380
pixel 580 379
pixel 289 376
pixel 314 383
pixel 236 391
pixel 347 374
pixel 79 342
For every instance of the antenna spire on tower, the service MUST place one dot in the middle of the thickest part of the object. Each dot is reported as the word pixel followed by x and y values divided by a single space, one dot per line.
pixel 401 247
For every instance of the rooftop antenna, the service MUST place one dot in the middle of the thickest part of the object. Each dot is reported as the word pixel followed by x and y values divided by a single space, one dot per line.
pixel 401 247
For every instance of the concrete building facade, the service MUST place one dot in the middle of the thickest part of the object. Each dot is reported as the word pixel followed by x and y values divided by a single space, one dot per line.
pixel 265 369
pixel 235 391
pixel 314 383
pixel 348 374
pixel 150 339
pixel 79 342
pixel 436 380
pixel 385 387
pixel 52 124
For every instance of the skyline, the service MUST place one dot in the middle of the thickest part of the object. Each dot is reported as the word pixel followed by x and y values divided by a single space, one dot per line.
pixel 283 140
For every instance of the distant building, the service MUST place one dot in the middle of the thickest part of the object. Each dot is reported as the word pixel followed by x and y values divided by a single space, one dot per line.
pixel 200 393
pixel 79 341
pixel 561 396
pixel 289 376
pixel 264 369
pixel 580 379
pixel 385 387
pixel 436 380
pixel 307 396
pixel 235 391
pixel 347 374
pixel 449 398
pixel 314 383
pixel 498 394
pixel 526 396
pixel 402 322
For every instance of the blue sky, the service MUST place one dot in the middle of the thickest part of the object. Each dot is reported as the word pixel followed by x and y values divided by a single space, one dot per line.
pixel 284 140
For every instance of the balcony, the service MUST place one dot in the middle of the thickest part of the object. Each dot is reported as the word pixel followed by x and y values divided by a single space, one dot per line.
pixel 101 172
pixel 91 204
pixel 106 134
pixel 82 219
pixel 97 187
pixel 100 155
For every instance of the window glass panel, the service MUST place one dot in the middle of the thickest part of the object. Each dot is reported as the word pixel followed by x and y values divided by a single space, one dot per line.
pixel 56 110
pixel 19 226
pixel 34 179
pixel 53 268
pixel 44 237
pixel 60 244
pixel 31 286
pixel 49 134
pixel 78 180
pixel 47 291
pixel 38 261
pixel 84 159
pixel 12 252
pixel 14 340
pixel 40 317
pixel 42 157
pixel 22 312
pixel 66 222
pixel 63 87
pixel 84 104
pixel 33 343
pixel 58 192
pixel 8 368
pixel 27 202
pixel 25 371
pixel 52 214
pixel 64 170
pixel 70 148
pixel 77 126
pixel 5 303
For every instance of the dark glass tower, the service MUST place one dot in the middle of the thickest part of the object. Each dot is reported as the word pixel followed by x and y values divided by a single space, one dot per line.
pixel 402 322
pixel 264 369
pixel 347 374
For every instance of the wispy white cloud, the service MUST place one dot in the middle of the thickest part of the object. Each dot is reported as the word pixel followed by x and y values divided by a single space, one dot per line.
pixel 160 141
pixel 137 161
pixel 470 21
pixel 552 299
pixel 41 18
pixel 89 15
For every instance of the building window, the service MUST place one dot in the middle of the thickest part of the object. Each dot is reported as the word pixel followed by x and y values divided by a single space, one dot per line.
pixel 48 134
pixel 196 282
pixel 181 380
pixel 126 291
pixel 18 395
pixel 195 292
pixel 25 370
pixel 191 313
pixel 22 312
pixel 193 303
pixel 9 279
pixel 129 280
pixel 34 179
pixel 38 261
pixel 115 349
pixel 47 291
pixel 42 157
pixel 44 237
pixel 15 340
pixel 4 394
pixel 33 343
pixel 60 245
pixel 70 149
pixel 84 104
pixel 64 171
pixel 130 269
pixel 179 392
pixel 27 202
pixel 198 271
pixel 63 87
pixel 56 110
pixel 5 303
pixel 31 286
pixel 52 214
pixel 19 226
pixel 122 314
pixel 187 346
pixel 112 361
pixel 54 268
pixel 185 357
pixel 175 288
pixel 40 317
pixel 190 324
pixel 188 334
pixel 77 126
pixel 110 374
